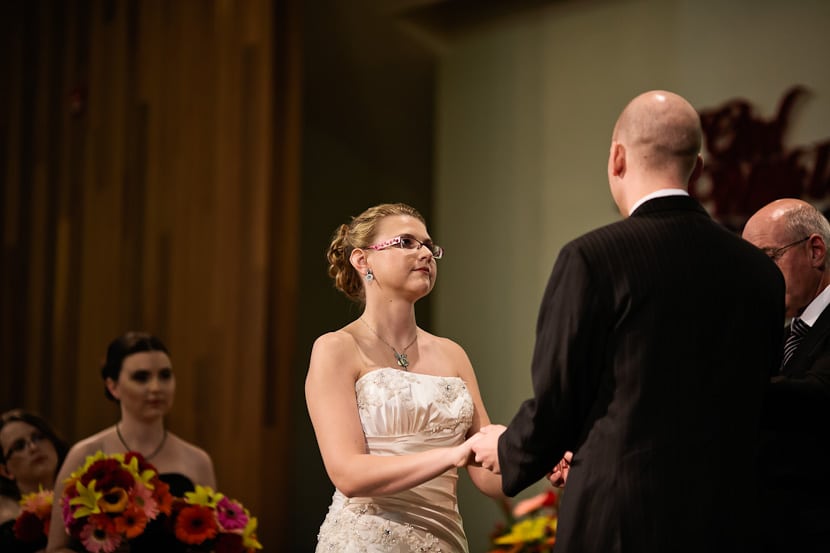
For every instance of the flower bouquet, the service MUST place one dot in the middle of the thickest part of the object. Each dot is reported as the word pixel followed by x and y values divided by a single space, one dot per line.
pixel 111 498
pixel 208 521
pixel 32 524
pixel 532 525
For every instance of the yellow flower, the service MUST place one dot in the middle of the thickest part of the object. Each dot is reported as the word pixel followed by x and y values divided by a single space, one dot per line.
pixel 248 534
pixel 89 460
pixel 204 496
pixel 145 477
pixel 528 530
pixel 87 499
pixel 115 500
pixel 39 502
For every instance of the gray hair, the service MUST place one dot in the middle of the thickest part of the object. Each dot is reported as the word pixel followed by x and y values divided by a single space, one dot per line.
pixel 804 220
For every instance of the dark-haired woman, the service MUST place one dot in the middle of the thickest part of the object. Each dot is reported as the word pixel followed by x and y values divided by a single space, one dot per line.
pixel 30 454
pixel 138 374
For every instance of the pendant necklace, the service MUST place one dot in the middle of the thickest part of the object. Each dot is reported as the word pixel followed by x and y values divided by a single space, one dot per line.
pixel 400 357
pixel 128 448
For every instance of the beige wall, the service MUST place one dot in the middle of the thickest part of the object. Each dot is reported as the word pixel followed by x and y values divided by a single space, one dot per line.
pixel 525 111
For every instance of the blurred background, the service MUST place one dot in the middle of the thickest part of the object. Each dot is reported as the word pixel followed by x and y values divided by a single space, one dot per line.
pixel 179 166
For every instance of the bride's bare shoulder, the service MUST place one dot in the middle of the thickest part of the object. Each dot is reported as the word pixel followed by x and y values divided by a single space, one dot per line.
pixel 337 340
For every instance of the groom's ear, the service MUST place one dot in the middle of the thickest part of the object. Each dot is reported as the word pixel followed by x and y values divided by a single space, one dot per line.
pixel 697 171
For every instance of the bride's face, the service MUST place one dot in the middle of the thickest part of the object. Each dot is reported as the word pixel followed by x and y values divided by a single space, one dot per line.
pixel 146 385
pixel 400 270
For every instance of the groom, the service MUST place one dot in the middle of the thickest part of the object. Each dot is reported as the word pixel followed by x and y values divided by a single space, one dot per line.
pixel 654 340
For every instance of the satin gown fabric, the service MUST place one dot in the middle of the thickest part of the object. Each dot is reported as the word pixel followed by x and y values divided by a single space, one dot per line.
pixel 404 413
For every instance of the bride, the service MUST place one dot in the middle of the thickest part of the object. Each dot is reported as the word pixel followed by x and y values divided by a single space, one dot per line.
pixel 395 409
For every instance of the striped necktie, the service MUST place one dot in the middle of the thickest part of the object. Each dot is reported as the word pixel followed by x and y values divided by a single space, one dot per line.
pixel 798 330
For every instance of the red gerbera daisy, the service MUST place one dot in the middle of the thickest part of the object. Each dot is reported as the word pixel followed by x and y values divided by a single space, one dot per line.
pixel 119 478
pixel 100 469
pixel 28 528
pixel 132 522
pixel 142 462
pixel 195 524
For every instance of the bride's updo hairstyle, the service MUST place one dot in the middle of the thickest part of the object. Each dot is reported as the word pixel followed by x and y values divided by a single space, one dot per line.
pixel 122 347
pixel 360 233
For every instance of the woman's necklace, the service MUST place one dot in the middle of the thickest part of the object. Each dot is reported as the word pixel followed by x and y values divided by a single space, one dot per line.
pixel 400 357
pixel 128 448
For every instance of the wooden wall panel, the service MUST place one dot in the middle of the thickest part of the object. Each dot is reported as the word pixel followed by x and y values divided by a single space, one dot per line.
pixel 150 180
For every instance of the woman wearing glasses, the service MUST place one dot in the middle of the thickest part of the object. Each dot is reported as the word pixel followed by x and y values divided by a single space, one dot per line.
pixel 138 375
pixel 30 454
pixel 394 408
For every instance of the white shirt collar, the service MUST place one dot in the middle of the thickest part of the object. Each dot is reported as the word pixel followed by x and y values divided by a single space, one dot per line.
pixel 811 314
pixel 657 194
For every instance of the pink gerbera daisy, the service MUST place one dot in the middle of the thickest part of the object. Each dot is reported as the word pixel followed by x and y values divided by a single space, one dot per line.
pixel 99 535
pixel 143 497
pixel 231 515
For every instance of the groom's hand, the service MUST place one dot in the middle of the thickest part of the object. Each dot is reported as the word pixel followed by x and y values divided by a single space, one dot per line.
pixel 486 448
pixel 559 475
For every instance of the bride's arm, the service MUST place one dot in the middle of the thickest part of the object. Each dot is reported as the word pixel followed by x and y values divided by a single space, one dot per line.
pixel 332 406
pixel 487 482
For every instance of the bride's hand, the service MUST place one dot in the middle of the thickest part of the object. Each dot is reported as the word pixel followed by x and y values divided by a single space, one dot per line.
pixel 463 453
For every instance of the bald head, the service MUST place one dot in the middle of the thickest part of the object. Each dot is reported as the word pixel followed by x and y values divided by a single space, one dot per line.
pixel 662 132
pixel 785 220
pixel 795 235
pixel 655 145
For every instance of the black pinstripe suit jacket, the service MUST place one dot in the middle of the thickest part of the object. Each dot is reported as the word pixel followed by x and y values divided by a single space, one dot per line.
pixel 655 339
pixel 795 457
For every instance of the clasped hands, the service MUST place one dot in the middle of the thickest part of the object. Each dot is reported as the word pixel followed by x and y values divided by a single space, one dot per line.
pixel 484 452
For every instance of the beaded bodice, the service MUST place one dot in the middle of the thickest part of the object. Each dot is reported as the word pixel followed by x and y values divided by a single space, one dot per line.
pixel 404 413
pixel 393 402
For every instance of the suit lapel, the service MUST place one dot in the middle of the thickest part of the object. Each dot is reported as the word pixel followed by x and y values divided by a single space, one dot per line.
pixel 802 358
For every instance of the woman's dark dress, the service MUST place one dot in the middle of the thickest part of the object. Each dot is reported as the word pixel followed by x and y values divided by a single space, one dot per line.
pixel 10 544
pixel 158 537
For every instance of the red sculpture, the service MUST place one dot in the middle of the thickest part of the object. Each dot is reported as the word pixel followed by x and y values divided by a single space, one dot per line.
pixel 748 166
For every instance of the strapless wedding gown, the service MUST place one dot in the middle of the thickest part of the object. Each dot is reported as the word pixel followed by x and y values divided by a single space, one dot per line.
pixel 403 413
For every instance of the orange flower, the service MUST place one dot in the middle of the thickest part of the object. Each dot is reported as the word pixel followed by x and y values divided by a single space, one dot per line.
pixel 162 495
pixel 132 522
pixel 195 524
pixel 114 500
pixel 544 499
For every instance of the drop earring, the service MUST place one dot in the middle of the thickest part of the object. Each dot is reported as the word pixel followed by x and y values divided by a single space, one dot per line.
pixel 370 276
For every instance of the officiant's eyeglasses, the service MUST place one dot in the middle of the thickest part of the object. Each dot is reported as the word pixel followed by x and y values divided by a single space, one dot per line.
pixel 410 243
pixel 776 253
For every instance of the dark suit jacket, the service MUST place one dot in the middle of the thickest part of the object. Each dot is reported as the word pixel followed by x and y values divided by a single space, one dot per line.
pixel 655 340
pixel 795 456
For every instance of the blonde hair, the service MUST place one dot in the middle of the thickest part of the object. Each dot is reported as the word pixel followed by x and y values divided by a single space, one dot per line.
pixel 360 233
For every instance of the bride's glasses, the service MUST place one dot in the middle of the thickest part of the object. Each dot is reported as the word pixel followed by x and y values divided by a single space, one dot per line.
pixel 410 243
